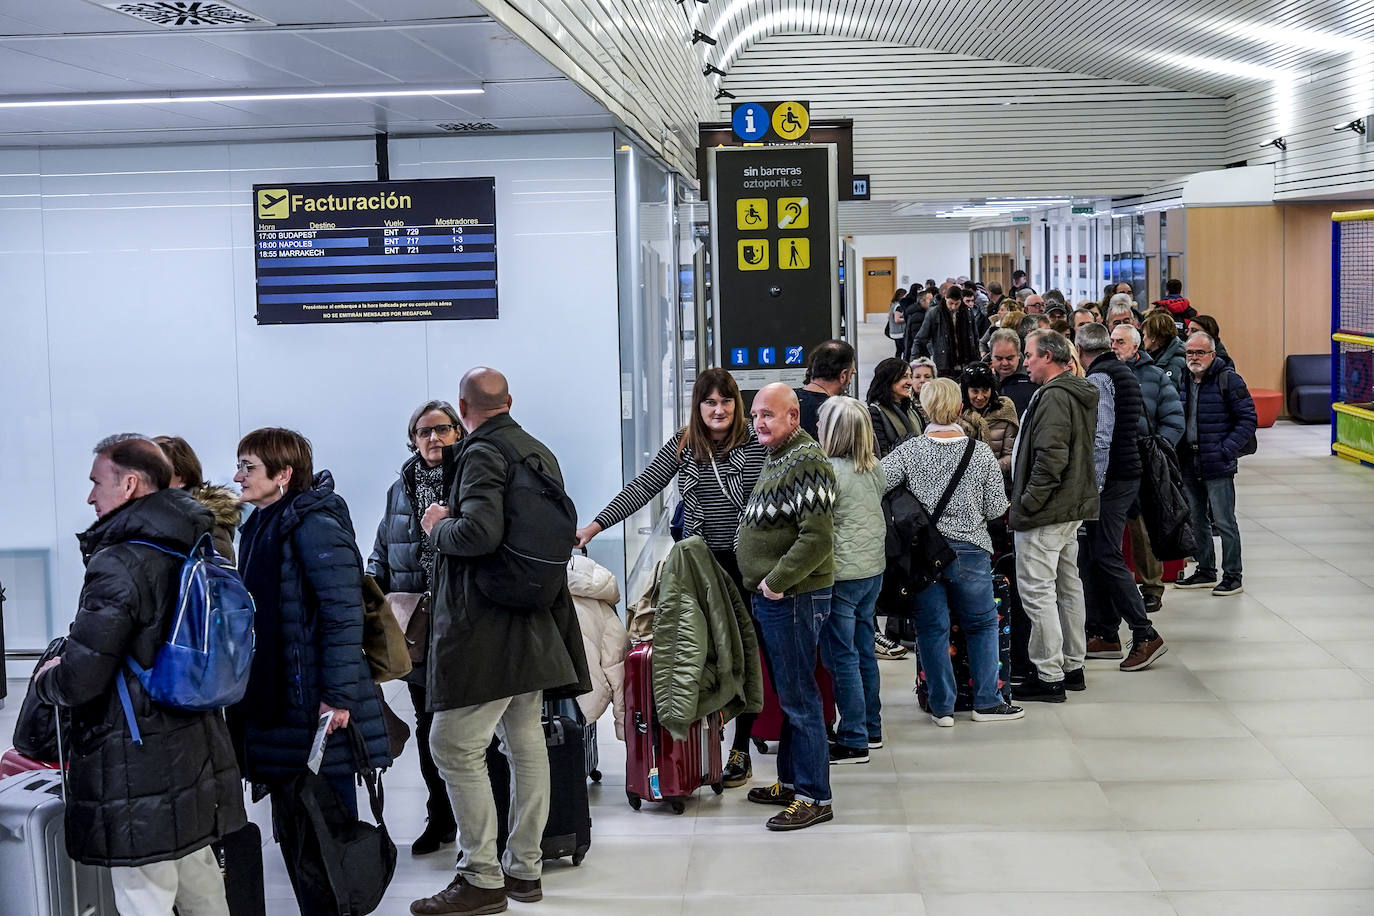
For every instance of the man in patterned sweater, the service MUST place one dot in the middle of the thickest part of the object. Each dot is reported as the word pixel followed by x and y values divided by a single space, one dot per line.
pixel 787 557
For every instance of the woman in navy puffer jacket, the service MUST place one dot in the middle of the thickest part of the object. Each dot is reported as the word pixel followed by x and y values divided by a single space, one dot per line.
pixel 300 561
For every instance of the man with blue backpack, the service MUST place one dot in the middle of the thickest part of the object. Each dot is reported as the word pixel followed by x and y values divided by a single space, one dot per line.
pixel 151 786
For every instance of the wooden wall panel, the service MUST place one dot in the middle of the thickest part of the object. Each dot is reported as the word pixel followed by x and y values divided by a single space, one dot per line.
pixel 1307 276
pixel 1235 274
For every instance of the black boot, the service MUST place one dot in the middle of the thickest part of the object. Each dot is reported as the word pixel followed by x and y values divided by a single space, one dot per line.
pixel 1032 688
pixel 435 835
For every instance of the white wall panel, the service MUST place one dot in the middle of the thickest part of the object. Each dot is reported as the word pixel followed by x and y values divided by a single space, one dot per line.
pixel 130 285
pixel 1319 161
pixel 919 256
pixel 930 125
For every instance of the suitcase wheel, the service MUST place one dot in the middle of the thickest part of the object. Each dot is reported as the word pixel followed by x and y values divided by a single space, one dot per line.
pixel 579 856
pixel 718 787
pixel 678 805
pixel 595 775
pixel 761 746
pixel 633 799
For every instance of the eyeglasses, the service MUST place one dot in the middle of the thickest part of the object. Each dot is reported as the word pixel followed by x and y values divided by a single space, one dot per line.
pixel 443 429
pixel 1198 352
pixel 246 467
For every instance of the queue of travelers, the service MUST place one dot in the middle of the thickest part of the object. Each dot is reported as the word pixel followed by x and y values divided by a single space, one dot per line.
pixel 1037 433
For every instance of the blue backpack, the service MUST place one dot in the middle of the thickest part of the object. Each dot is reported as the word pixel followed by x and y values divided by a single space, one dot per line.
pixel 205 662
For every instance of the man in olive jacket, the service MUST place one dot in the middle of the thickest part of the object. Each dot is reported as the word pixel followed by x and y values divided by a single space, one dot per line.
pixel 1054 489
pixel 148 811
pixel 490 664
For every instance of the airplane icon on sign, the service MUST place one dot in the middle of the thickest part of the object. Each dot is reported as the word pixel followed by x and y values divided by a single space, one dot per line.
pixel 268 201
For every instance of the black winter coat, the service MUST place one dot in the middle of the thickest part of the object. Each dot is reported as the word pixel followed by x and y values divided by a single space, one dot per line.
pixel 1225 423
pixel 942 334
pixel 1124 460
pixel 902 420
pixel 321 638
pixel 179 791
pixel 481 651
pixel 395 562
pixel 1019 387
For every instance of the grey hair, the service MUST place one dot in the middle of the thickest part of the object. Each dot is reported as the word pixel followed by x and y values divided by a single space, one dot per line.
pixel 1028 324
pixel 1053 344
pixel 925 362
pixel 1211 341
pixel 1130 329
pixel 1005 335
pixel 1120 302
pixel 1023 294
pixel 425 408
pixel 1093 338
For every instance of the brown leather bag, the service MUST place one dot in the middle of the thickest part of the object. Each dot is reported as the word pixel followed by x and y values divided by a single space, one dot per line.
pixel 411 611
pixel 384 641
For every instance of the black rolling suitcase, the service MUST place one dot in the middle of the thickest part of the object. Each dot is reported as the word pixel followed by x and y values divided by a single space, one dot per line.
pixel 958 651
pixel 569 828
pixel 1004 586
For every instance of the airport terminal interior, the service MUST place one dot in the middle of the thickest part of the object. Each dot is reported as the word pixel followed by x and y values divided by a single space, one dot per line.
pixel 217 217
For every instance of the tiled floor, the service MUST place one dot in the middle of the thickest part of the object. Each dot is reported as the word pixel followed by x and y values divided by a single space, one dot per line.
pixel 1235 776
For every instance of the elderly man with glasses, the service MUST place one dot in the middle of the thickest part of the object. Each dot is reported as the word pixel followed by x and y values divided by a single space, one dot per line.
pixel 1219 427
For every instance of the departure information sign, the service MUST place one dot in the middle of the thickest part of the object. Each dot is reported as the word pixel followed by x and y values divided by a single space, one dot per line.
pixel 375 251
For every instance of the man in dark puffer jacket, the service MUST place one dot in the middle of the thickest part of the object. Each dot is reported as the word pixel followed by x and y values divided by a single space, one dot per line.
pixel 1109 588
pixel 1219 421
pixel 149 811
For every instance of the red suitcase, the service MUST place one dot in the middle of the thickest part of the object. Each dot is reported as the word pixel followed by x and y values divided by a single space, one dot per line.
pixel 12 763
pixel 658 767
pixel 1172 568
pixel 768 725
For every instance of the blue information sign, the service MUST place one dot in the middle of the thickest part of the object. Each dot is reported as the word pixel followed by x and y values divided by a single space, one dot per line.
pixel 750 121
pixel 739 356
pixel 768 356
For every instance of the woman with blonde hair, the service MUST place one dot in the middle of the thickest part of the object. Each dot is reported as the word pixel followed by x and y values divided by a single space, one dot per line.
pixel 928 466
pixel 847 640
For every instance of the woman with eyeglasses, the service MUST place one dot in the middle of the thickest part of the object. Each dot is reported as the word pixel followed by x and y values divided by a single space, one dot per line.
pixel 402 561
pixel 300 561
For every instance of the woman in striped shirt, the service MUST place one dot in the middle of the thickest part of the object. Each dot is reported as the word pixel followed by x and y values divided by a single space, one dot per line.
pixel 716 460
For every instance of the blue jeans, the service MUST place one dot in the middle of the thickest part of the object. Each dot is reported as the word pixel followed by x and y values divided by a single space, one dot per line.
pixel 791 630
pixel 847 650
pixel 966 589
pixel 1214 503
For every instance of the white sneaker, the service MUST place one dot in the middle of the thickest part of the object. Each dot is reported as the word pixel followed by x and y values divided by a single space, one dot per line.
pixel 942 721
pixel 885 648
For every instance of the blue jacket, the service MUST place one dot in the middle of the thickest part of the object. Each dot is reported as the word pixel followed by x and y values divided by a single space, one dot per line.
pixel 1163 410
pixel 1225 422
pixel 321 616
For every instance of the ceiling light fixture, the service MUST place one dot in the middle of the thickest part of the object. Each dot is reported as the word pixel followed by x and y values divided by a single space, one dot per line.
pixel 1278 143
pixel 724 94
pixel 712 68
pixel 699 36
pixel 269 95
pixel 1357 125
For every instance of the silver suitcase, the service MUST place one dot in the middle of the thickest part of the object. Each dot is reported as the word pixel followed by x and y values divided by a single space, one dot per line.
pixel 38 877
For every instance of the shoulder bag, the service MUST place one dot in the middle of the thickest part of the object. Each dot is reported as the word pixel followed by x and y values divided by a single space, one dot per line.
pixel 917 553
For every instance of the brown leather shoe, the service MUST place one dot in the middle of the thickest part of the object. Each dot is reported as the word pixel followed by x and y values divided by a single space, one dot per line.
pixel 800 815
pixel 524 890
pixel 1144 653
pixel 1103 648
pixel 462 899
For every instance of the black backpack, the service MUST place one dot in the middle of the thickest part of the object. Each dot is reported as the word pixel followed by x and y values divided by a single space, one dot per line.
pixel 1224 382
pixel 531 566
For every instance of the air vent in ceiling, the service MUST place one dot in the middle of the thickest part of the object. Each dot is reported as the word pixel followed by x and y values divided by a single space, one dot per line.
pixel 466 127
pixel 188 14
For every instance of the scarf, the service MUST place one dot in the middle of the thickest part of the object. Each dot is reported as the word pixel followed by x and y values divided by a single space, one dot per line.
pixel 428 483
pixel 260 565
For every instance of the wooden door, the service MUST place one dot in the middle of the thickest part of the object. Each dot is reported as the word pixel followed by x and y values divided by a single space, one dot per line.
pixel 880 282
pixel 995 268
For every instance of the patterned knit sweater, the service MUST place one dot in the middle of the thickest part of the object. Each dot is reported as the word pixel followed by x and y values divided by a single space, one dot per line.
pixel 787 530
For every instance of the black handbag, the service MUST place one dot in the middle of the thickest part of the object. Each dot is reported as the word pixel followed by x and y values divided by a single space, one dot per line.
pixel 341 862
pixel 917 553
pixel 35 730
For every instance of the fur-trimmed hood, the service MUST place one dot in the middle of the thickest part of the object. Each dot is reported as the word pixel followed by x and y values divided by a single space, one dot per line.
pixel 223 502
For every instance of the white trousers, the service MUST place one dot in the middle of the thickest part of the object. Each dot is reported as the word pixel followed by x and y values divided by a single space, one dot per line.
pixel 193 884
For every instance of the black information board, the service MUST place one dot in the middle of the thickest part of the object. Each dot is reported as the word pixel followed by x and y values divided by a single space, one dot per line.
pixel 776 284
pixel 375 250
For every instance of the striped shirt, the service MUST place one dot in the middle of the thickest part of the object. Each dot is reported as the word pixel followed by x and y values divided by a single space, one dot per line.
pixel 713 500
